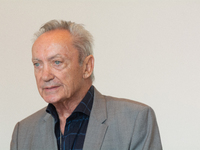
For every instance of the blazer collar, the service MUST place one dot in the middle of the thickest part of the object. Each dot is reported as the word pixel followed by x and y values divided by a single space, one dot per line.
pixel 47 130
pixel 97 123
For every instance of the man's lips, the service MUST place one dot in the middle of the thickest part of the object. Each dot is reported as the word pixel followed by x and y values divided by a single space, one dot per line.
pixel 51 88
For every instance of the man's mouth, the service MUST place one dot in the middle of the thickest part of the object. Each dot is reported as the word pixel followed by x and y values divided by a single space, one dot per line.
pixel 51 88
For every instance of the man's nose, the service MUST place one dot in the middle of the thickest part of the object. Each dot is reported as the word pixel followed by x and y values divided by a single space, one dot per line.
pixel 47 74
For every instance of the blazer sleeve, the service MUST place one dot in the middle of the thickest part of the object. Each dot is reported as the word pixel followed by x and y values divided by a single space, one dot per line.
pixel 13 144
pixel 146 134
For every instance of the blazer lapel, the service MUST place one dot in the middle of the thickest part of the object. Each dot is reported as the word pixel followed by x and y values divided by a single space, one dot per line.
pixel 47 133
pixel 97 123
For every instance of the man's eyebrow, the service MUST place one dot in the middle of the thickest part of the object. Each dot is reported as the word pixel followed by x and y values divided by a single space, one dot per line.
pixel 50 58
pixel 35 59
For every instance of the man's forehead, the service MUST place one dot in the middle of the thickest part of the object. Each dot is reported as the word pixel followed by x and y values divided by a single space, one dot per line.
pixel 55 36
pixel 54 43
pixel 54 39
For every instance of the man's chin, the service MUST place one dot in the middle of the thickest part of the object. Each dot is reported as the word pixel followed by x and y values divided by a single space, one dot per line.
pixel 51 99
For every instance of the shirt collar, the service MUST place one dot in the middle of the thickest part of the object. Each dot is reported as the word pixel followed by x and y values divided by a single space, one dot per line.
pixel 84 106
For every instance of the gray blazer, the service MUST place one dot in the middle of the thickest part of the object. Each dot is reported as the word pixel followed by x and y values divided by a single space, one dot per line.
pixel 115 124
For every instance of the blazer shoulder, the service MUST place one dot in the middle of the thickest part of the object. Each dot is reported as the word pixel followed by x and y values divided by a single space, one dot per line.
pixel 124 103
pixel 125 110
pixel 116 104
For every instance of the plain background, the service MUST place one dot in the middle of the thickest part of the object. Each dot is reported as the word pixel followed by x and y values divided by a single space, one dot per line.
pixel 144 50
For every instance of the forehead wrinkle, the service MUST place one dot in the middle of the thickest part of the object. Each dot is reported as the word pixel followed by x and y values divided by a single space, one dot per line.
pixel 55 56
pixel 58 50
pixel 54 49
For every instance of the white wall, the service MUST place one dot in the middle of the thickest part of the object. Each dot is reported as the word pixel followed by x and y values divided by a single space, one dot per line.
pixel 145 50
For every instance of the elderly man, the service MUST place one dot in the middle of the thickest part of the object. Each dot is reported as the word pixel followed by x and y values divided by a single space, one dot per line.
pixel 78 116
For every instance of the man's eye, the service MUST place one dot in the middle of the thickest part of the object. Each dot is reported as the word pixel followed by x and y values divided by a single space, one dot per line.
pixel 57 62
pixel 36 64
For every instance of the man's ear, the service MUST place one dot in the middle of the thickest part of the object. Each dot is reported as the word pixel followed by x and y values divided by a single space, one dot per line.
pixel 88 66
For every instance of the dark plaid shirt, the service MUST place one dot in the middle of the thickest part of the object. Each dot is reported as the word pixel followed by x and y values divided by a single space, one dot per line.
pixel 76 123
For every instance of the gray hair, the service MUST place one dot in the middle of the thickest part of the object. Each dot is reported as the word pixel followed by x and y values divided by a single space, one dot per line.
pixel 82 39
